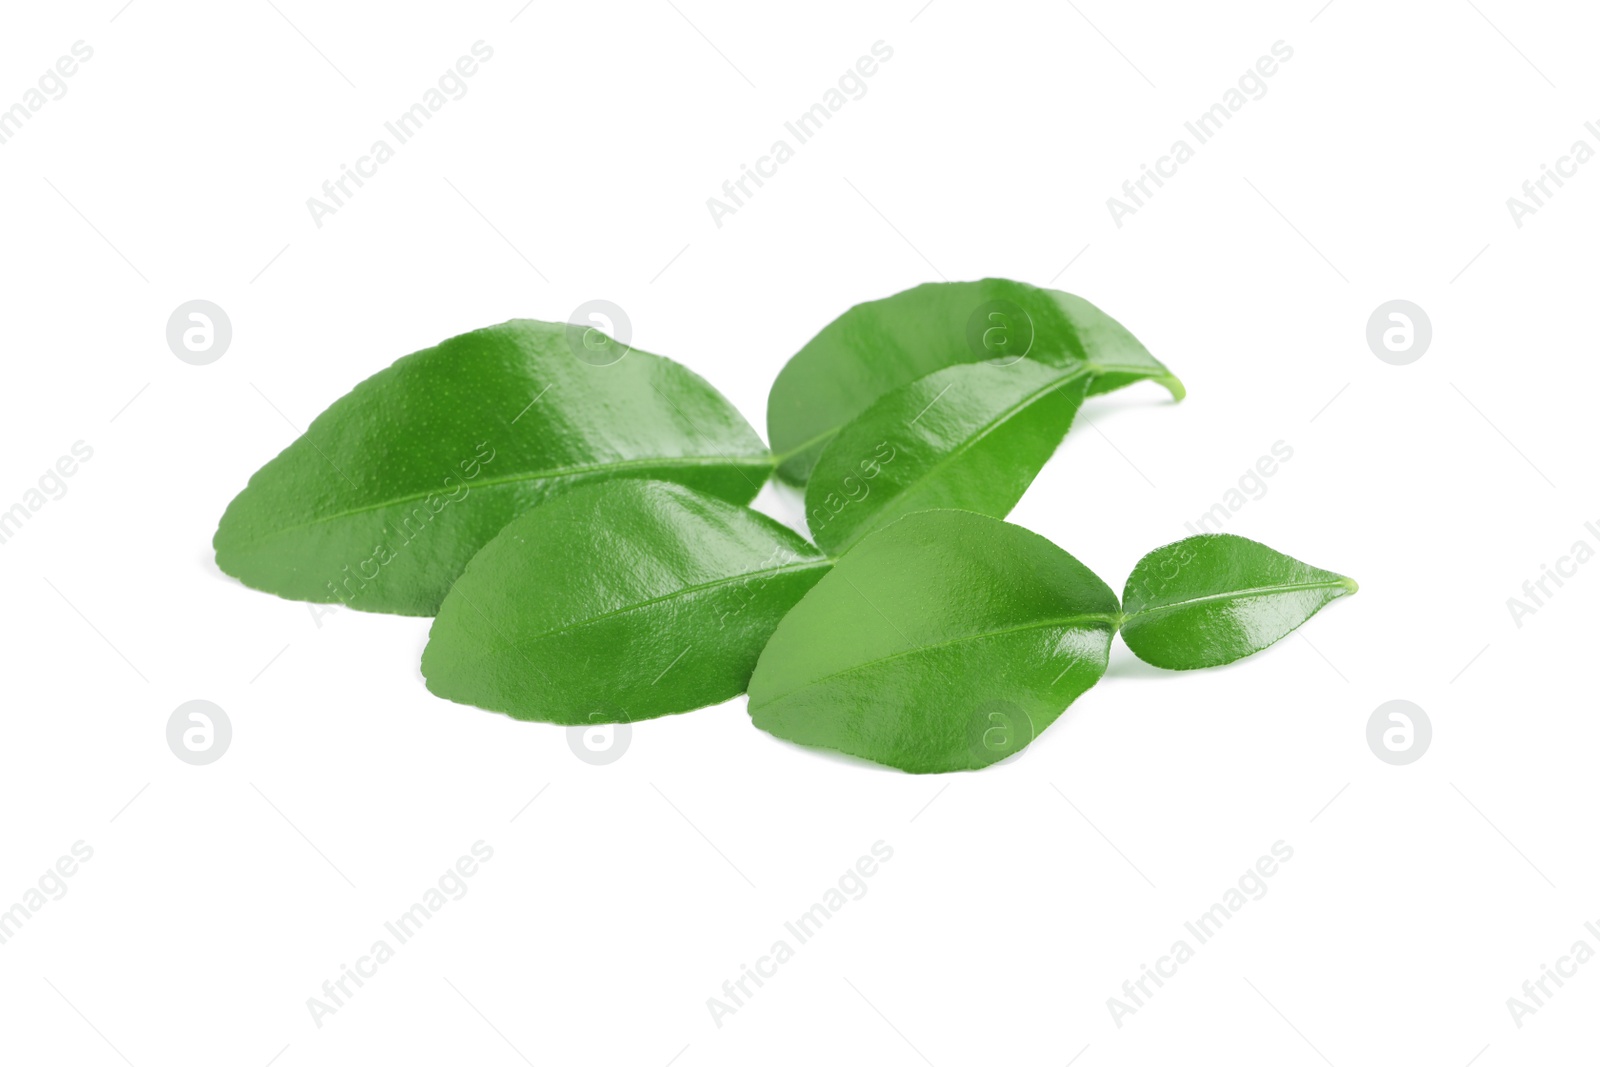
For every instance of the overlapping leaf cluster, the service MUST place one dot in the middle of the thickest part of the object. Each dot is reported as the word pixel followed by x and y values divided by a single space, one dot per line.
pixel 575 516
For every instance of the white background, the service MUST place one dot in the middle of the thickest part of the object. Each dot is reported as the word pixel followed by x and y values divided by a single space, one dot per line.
pixel 1019 899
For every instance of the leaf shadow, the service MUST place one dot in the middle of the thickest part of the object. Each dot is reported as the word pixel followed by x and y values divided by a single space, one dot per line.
pixel 1124 664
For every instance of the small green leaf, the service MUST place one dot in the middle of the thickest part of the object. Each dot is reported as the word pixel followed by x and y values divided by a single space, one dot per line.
pixel 946 641
pixel 617 601
pixel 884 344
pixel 970 437
pixel 1214 598
pixel 386 496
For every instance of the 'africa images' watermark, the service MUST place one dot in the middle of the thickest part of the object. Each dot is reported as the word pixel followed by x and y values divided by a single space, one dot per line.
pixel 1251 482
pixel 51 82
pixel 851 885
pixel 51 886
pixel 1203 128
pixel 409 526
pixel 451 885
pixel 802 129
pixel 1566 566
pixel 1536 991
pixel 1538 190
pixel 52 485
pixel 405 126
pixel 854 489
pixel 1136 992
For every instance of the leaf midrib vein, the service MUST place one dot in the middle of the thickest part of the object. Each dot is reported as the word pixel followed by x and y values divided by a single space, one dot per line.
pixel 1237 594
pixel 1111 619
pixel 970 443
pixel 1095 370
pixel 530 476
pixel 521 639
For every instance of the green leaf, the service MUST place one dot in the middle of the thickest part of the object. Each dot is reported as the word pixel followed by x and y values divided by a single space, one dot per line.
pixel 1214 598
pixel 386 496
pixel 615 602
pixel 944 642
pixel 970 437
pixel 884 344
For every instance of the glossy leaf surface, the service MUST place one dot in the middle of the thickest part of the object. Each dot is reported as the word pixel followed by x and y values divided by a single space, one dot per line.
pixel 1214 598
pixel 970 437
pixel 882 345
pixel 943 642
pixel 386 496
pixel 617 601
